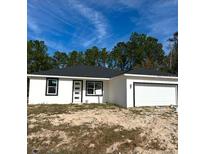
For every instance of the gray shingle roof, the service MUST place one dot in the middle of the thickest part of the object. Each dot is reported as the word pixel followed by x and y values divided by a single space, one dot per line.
pixel 82 71
pixel 98 72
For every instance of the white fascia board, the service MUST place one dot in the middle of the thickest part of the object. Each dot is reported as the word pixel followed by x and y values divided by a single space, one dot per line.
pixel 117 76
pixel 66 77
pixel 151 76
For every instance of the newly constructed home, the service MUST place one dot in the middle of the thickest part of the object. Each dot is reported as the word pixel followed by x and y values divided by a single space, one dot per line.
pixel 89 84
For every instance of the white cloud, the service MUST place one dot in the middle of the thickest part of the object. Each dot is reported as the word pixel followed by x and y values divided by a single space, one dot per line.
pixel 32 25
pixel 131 3
pixel 95 17
pixel 56 45
pixel 160 27
pixel 83 23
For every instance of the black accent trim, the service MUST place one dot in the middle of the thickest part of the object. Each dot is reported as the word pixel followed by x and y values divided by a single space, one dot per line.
pixel 93 81
pixel 56 89
pixel 177 96
pixel 28 87
pixel 133 86
pixel 72 90
pixel 151 84
pixel 81 90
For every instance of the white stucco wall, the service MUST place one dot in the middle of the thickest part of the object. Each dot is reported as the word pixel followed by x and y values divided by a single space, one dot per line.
pixel 38 86
pixel 131 80
pixel 117 90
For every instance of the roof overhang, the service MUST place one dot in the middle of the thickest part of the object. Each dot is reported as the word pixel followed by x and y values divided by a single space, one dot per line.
pixel 96 78
pixel 151 76
pixel 66 77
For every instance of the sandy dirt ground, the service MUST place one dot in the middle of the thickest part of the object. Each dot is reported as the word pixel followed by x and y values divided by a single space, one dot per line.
pixel 145 130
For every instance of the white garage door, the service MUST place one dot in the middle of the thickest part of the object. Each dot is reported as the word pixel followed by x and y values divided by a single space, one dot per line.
pixel 154 94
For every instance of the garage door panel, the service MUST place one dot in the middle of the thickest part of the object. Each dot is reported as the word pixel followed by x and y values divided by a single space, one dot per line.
pixel 155 94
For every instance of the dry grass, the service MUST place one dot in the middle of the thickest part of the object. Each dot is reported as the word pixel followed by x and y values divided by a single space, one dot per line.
pixel 105 128
pixel 66 108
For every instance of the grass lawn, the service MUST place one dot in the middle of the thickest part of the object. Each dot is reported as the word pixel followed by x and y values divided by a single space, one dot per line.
pixel 101 128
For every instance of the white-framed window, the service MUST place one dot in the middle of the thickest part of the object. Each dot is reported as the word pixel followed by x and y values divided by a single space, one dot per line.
pixel 51 87
pixel 94 88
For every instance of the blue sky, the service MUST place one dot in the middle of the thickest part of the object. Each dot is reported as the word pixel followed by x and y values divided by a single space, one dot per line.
pixel 68 25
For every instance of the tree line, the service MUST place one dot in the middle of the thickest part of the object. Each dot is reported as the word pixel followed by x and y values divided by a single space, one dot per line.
pixel 140 50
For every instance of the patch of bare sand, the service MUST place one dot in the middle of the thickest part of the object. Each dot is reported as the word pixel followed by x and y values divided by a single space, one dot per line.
pixel 94 118
pixel 116 145
pixel 159 126
pixel 155 127
pixel 41 134
pixel 139 150
pixel 124 118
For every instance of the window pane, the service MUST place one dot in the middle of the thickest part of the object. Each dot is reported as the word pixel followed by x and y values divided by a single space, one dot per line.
pixel 98 85
pixel 98 92
pixel 90 84
pixel 52 82
pixel 77 83
pixel 98 88
pixel 51 90
pixel 90 91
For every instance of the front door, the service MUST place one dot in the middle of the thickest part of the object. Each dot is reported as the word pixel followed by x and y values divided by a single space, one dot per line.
pixel 77 91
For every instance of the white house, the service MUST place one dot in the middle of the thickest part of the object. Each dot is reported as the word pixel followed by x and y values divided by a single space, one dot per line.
pixel 89 84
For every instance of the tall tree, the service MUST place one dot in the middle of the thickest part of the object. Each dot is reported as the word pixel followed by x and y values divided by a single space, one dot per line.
pixel 136 49
pixel 92 56
pixel 103 57
pixel 37 57
pixel 173 55
pixel 119 56
pixel 75 58
pixel 140 51
pixel 154 53
pixel 81 57
pixel 144 51
pixel 60 59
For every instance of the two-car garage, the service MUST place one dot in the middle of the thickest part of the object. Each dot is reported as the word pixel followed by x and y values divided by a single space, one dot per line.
pixel 154 94
pixel 149 87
